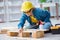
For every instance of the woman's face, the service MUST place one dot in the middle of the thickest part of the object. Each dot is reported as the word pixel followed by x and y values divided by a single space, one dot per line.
pixel 28 13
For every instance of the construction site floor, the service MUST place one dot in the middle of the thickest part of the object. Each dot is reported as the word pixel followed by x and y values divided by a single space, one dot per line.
pixel 48 36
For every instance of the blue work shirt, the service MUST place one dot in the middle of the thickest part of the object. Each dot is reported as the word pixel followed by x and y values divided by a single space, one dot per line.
pixel 38 13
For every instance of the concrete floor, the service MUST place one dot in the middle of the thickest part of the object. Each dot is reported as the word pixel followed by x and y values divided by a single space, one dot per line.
pixel 14 24
pixel 48 36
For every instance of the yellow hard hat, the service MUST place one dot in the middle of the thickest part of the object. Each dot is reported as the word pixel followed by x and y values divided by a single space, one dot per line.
pixel 26 6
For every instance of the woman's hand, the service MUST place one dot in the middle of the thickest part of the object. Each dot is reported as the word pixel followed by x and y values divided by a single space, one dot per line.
pixel 41 22
pixel 37 23
pixel 21 30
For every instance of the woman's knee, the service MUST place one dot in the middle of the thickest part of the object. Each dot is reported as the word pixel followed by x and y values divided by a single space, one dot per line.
pixel 47 25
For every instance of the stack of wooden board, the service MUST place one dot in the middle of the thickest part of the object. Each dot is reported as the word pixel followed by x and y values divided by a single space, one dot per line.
pixel 24 34
pixel 3 31
pixel 12 33
pixel 35 33
pixel 38 34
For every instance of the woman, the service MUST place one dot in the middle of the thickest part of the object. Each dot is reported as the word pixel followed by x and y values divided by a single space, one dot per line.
pixel 34 16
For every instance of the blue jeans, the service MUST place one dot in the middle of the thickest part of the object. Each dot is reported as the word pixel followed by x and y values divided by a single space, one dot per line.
pixel 45 26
